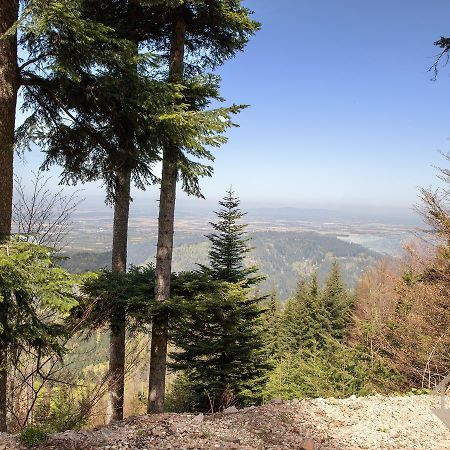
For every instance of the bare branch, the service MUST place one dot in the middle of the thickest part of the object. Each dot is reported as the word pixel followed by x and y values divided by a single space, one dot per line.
pixel 41 216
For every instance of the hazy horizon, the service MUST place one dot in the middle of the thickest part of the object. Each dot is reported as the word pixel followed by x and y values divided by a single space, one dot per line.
pixel 354 125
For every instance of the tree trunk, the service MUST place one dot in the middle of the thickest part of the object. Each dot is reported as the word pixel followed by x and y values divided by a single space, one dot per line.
pixel 119 255
pixel 8 98
pixel 158 350
pixel 3 369
pixel 9 10
pixel 118 319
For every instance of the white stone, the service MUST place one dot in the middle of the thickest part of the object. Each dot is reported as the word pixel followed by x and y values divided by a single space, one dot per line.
pixel 230 410
pixel 198 419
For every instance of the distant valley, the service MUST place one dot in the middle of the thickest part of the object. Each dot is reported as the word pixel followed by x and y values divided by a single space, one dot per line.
pixel 284 246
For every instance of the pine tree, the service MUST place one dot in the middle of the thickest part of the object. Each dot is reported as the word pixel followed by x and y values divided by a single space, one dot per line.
pixel 221 332
pixel 34 297
pixel 336 303
pixel 229 246
pixel 272 326
pixel 220 348
pixel 305 321
pixel 292 320
pixel 315 320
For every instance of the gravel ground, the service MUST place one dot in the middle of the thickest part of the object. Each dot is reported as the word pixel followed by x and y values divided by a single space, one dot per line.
pixel 321 424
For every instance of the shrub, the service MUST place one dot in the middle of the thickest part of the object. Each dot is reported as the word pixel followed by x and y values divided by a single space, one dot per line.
pixel 33 435
pixel 336 370
pixel 178 397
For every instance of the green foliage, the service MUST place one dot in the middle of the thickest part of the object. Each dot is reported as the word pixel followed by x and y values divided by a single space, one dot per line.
pixel 105 291
pixel 97 125
pixel 313 359
pixel 215 30
pixel 219 344
pixel 59 407
pixel 229 246
pixel 72 86
pixel 337 303
pixel 34 435
pixel 179 395
pixel 63 407
pixel 271 326
pixel 291 321
pixel 59 39
pixel 335 370
pixel 98 101
pixel 218 331
pixel 305 321
pixel 35 296
pixel 313 314
pixel 133 292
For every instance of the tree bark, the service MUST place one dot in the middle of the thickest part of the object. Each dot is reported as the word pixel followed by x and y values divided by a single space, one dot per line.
pixel 118 319
pixel 158 350
pixel 9 10
pixel 117 340
pixel 8 98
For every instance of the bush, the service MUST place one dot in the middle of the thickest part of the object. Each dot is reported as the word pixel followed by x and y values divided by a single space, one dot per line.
pixel 33 435
pixel 68 406
pixel 179 395
pixel 65 408
pixel 336 370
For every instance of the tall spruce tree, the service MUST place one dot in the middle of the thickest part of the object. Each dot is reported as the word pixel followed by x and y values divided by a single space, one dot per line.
pixel 220 332
pixel 292 319
pixel 219 338
pixel 192 36
pixel 315 320
pixel 272 326
pixel 337 302
pixel 305 323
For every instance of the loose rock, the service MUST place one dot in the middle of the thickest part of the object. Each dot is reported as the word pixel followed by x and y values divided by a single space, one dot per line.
pixel 369 423
pixel 307 445
pixel 198 419
pixel 230 410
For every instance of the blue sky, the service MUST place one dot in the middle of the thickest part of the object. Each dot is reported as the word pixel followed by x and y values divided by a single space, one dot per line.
pixel 343 110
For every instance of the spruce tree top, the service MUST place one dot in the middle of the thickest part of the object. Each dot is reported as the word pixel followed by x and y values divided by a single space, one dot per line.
pixel 229 245
pixel 215 29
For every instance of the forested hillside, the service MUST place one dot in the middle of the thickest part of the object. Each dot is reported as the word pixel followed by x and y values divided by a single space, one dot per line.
pixel 282 256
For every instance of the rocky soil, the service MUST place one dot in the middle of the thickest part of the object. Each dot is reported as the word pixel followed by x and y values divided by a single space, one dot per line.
pixel 321 424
